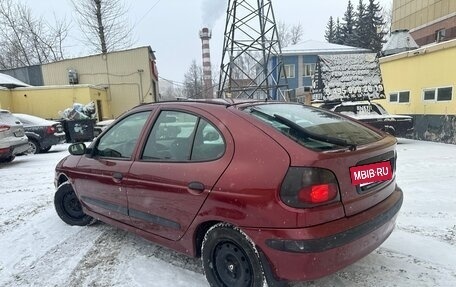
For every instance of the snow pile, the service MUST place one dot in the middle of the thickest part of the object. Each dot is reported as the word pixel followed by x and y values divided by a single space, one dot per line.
pixel 38 249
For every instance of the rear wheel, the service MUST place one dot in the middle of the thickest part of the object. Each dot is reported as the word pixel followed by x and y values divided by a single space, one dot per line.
pixel 34 147
pixel 46 149
pixel 69 207
pixel 230 259
pixel 7 159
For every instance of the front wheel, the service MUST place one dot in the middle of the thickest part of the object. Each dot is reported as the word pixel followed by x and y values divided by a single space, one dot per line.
pixel 68 206
pixel 230 259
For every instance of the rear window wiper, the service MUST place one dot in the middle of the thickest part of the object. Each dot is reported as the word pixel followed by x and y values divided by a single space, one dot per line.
pixel 305 132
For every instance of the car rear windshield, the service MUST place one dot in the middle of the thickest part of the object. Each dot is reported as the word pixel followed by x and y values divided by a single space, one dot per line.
pixel 314 128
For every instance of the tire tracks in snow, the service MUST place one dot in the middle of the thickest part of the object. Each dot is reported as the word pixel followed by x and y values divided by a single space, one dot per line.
pixel 98 266
pixel 20 215
pixel 55 263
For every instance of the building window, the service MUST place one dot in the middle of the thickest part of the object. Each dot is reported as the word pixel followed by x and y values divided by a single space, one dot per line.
pixel 393 98
pixel 309 70
pixel 440 35
pixel 438 94
pixel 400 97
pixel 429 95
pixel 289 71
pixel 444 94
pixel 404 97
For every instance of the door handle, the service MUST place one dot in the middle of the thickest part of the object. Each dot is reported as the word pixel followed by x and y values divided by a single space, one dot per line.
pixel 195 187
pixel 117 176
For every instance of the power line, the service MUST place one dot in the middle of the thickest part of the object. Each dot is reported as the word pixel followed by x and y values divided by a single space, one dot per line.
pixel 148 11
pixel 172 81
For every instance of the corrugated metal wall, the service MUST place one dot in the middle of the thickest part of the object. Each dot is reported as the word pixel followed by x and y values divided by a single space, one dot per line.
pixel 31 75
pixel 125 74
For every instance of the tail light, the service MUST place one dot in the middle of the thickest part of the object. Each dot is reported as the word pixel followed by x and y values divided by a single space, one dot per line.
pixel 309 187
pixel 50 130
pixel 4 128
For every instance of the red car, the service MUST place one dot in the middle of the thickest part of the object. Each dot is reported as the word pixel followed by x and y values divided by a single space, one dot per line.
pixel 261 190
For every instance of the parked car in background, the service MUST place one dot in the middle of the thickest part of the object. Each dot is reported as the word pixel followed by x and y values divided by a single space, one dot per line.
pixel 13 140
pixel 375 115
pixel 101 126
pixel 42 134
pixel 261 190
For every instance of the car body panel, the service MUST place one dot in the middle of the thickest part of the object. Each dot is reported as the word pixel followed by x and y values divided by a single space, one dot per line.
pixel 374 114
pixel 163 202
pixel 36 129
pixel 241 188
pixel 314 264
pixel 13 140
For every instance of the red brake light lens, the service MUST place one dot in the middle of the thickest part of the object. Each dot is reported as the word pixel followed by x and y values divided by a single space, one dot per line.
pixel 309 187
pixel 50 130
pixel 4 128
pixel 318 193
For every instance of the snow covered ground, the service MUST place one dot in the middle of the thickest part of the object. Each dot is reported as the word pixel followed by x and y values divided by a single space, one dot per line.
pixel 38 249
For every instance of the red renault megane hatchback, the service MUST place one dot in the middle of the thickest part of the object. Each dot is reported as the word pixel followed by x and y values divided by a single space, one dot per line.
pixel 263 191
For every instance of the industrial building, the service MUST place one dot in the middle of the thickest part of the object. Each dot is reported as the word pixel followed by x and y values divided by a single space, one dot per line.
pixel 115 81
pixel 299 64
pixel 421 82
pixel 427 20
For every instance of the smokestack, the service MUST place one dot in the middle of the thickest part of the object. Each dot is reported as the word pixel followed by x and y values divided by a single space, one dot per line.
pixel 205 35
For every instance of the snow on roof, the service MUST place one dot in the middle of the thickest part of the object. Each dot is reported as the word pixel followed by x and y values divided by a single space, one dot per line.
pixel 348 77
pixel 10 82
pixel 316 48
pixel 399 41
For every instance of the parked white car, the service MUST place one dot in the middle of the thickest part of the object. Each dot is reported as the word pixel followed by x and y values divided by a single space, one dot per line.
pixel 13 140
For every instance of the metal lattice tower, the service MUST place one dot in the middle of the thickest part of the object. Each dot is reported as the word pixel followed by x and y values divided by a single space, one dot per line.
pixel 251 58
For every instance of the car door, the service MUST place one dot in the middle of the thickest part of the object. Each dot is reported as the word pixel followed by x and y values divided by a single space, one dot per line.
pixel 99 176
pixel 184 155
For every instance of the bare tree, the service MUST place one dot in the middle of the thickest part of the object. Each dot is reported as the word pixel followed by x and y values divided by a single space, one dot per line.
pixel 296 33
pixel 283 32
pixel 26 40
pixel 104 24
pixel 193 81
pixel 289 35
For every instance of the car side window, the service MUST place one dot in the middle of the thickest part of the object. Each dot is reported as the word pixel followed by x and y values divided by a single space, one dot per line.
pixel 171 137
pixel 178 136
pixel 209 143
pixel 120 140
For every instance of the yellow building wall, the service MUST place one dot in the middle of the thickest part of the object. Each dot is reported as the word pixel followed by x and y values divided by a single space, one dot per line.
pixel 48 102
pixel 414 71
pixel 5 99
pixel 126 75
pixel 409 14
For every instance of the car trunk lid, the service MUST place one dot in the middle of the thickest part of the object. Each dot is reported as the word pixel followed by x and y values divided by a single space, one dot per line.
pixel 359 197
pixel 12 127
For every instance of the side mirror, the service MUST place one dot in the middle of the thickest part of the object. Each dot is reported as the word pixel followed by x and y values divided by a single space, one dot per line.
pixel 77 149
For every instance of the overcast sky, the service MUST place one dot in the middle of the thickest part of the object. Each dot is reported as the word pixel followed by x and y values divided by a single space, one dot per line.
pixel 171 27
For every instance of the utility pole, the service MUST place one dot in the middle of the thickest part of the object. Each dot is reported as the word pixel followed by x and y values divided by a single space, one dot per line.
pixel 252 58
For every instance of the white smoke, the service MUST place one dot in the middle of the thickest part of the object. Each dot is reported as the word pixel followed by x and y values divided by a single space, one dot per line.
pixel 212 10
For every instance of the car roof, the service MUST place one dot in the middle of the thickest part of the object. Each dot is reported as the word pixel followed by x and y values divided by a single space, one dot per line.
pixel 356 103
pixel 224 102
pixel 33 119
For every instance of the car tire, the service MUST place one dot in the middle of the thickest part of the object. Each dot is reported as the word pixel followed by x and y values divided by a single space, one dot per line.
pixel 230 259
pixel 69 207
pixel 8 159
pixel 34 147
pixel 46 149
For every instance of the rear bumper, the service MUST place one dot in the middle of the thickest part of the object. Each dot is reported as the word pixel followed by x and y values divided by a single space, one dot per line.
pixel 314 252
pixel 14 150
pixel 52 140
